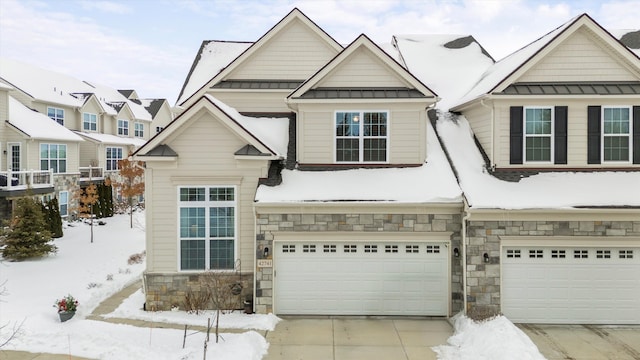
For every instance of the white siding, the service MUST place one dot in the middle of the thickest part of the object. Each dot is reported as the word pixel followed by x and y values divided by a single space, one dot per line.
pixel 205 157
pixel 294 53
pixel 579 58
pixel 480 121
pixel 362 69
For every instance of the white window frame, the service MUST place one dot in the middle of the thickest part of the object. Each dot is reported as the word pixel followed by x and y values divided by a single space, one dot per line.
pixel 361 137
pixel 49 159
pixel 629 135
pixel 123 127
pixel 110 160
pixel 89 121
pixel 138 129
pixel 66 204
pixel 207 205
pixel 56 118
pixel 551 134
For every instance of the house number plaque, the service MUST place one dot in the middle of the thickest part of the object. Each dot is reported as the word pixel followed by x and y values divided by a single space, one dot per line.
pixel 265 263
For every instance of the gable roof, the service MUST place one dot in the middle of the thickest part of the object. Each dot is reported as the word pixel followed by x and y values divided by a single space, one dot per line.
pixel 363 41
pixel 503 72
pixel 629 38
pixel 293 15
pixel 267 135
pixel 36 125
pixel 153 105
pixel 109 139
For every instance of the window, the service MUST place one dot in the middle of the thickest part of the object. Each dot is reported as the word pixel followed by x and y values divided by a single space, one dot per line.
pixel 288 248
pixel 308 248
pixel 89 122
pixel 536 254
pixel 616 134
pixel 53 156
pixel 56 115
pixel 371 248
pixel 329 248
pixel 114 154
pixel 361 137
pixel 138 129
pixel 391 248
pixel 208 228
pixel 537 134
pixel 123 127
pixel 558 254
pixel 350 248
pixel 513 253
pixel 580 254
pixel 63 203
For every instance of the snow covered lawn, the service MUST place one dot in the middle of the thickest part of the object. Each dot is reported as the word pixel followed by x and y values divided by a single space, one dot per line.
pixel 92 272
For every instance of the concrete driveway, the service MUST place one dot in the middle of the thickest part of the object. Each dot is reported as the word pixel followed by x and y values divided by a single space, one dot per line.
pixel 585 342
pixel 356 338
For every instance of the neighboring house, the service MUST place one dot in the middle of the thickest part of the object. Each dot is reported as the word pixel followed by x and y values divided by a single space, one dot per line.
pixel 559 217
pixel 362 225
pixel 313 172
pixel 108 124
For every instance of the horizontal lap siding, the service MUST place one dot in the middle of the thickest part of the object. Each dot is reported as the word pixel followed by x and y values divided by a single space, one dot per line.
pixel 578 58
pixel 407 137
pixel 479 118
pixel 362 69
pixel 89 154
pixel 205 152
pixel 295 53
pixel 317 137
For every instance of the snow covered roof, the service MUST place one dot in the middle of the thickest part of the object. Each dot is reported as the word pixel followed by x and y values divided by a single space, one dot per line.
pixel 56 88
pixel 542 191
pixel 111 139
pixel 433 182
pixel 272 132
pixel 448 64
pixel 628 38
pixel 37 125
pixel 213 56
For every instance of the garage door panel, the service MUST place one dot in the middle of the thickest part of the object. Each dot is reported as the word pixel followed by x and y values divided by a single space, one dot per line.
pixel 361 279
pixel 587 285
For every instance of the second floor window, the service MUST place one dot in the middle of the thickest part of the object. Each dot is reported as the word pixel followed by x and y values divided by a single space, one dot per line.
pixel 123 127
pixel 138 129
pixel 616 134
pixel 89 122
pixel 361 137
pixel 114 154
pixel 56 115
pixel 538 134
pixel 53 156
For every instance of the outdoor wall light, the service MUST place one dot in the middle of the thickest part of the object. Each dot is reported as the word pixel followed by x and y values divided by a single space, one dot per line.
pixel 456 252
pixel 486 257
pixel 266 252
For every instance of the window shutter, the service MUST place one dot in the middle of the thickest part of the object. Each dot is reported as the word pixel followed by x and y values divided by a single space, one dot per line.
pixel 516 133
pixel 560 135
pixel 636 135
pixel 593 135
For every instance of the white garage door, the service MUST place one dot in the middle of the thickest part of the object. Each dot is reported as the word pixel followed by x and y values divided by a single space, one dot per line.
pixel 571 285
pixel 361 278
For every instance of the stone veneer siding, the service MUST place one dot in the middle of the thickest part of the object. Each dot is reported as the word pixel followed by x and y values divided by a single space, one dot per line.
pixel 70 183
pixel 483 279
pixel 393 223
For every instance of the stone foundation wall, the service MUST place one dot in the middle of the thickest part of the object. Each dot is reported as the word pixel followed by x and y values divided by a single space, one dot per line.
pixel 483 278
pixel 392 223
pixel 70 183
pixel 164 291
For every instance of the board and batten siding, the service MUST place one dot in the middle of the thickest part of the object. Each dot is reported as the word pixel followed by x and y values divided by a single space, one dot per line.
pixel 576 128
pixel 254 101
pixel 579 58
pixel 205 157
pixel 406 131
pixel 294 53
pixel 362 69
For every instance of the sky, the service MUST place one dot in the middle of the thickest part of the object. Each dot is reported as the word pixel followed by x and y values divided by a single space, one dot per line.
pixel 149 45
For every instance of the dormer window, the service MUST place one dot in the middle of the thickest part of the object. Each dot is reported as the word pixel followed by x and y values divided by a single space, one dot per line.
pixel 123 127
pixel 616 134
pixel 89 122
pixel 361 136
pixel 56 114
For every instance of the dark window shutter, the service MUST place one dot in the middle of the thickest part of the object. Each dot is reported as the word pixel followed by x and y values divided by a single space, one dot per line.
pixel 560 135
pixel 516 133
pixel 636 135
pixel 593 135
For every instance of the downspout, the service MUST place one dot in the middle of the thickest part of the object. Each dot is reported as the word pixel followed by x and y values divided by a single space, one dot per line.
pixel 465 217
pixel 491 166
pixel 255 257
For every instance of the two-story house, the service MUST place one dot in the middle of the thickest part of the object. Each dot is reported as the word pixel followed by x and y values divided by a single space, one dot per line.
pixel 363 220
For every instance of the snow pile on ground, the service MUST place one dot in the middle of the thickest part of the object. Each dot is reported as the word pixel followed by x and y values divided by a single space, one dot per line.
pixel 495 339
pixel 92 272
pixel 131 308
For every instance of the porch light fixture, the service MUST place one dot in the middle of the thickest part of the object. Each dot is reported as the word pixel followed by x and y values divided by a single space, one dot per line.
pixel 486 257
pixel 266 252
pixel 456 252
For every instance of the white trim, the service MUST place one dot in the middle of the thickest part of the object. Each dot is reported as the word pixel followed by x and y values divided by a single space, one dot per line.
pixel 107 159
pixel 10 155
pixel 123 128
pixel 55 110
pixel 89 122
pixel 66 203
pixel 550 135
pixel 135 130
pixel 629 135
pixel 48 159
pixel 361 137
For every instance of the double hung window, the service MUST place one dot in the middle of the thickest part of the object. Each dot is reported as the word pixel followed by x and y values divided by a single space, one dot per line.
pixel 89 122
pixel 138 129
pixel 114 154
pixel 538 134
pixel 361 136
pixel 123 127
pixel 616 134
pixel 53 156
pixel 56 114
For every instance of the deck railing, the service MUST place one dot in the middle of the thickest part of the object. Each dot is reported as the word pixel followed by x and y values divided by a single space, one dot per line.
pixel 91 172
pixel 20 180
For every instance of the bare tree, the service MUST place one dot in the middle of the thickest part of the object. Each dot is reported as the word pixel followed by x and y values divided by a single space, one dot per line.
pixel 131 182
pixel 86 199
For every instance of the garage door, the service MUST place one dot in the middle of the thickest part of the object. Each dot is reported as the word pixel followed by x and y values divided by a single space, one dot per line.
pixel 361 278
pixel 571 285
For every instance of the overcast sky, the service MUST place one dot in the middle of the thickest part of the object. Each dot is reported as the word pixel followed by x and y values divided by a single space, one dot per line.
pixel 149 45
